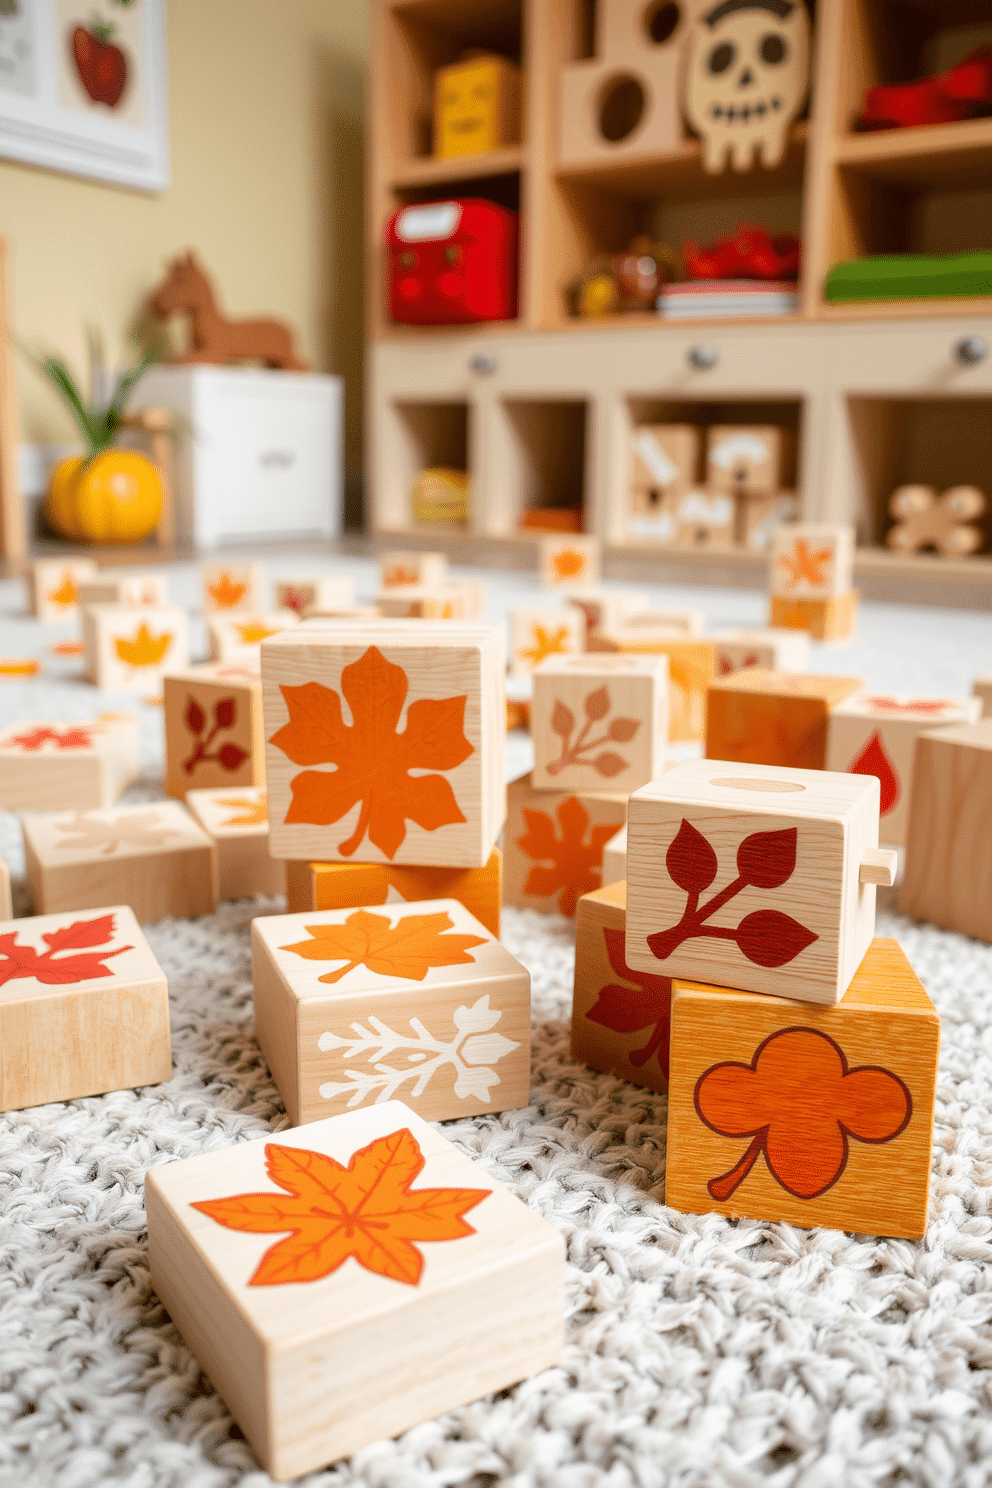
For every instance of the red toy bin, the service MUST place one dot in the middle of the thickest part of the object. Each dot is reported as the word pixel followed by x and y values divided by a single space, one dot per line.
pixel 452 262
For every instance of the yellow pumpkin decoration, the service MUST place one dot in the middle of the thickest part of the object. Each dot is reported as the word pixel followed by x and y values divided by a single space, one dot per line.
pixel 116 497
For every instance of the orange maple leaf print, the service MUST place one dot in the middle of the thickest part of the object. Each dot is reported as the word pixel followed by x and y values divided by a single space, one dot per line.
pixel 367 1210
pixel 568 563
pixel 803 563
pixel 143 649
pixel 373 761
pixel 225 592
pixel 255 631
pixel 65 594
pixel 253 813
pixel 18 666
pixel 399 574
pixel 408 950
pixel 567 865
pixel 546 642
pixel 67 648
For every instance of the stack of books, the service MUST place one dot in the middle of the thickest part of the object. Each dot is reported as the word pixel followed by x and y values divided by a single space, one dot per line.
pixel 701 298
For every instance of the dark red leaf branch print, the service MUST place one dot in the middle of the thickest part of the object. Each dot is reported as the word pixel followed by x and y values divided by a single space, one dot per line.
pixel 595 705
pixel 229 756
pixel 24 961
pixel 647 1004
pixel 765 860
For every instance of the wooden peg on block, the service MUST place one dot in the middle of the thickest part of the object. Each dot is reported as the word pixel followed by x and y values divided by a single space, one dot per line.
pixel 327 591
pixel 427 569
pixel 947 879
pixel 691 667
pixel 319 1352
pixel 599 722
pixel 54 586
pixel 233 586
pixel 237 823
pixel 568 558
pixel 65 765
pixel 983 691
pixel 813 1116
pixel 812 561
pixel 238 635
pixel 824 619
pixel 133 647
pixel 615 858
pixel 353 885
pixel 553 844
pixel 771 650
pixel 773 718
pixel 6 908
pixel 142 590
pixel 214 734
pixel 537 633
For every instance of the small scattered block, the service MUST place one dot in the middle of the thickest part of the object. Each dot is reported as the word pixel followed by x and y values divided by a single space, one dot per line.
pixel 447 601
pixel 687 622
pixel 553 844
pixel 811 560
pixel 54 586
pixel 214 731
pixel 52 765
pixel 233 586
pixel 326 591
pixel 568 558
pixel 132 647
pixel 6 907
pixel 427 569
pixel 237 822
pixel 353 885
pixel 84 1008
pixel 781 650
pixel 599 721
pixel 763 717
pixel 745 459
pixel 947 879
pixel 691 668
pixel 983 691
pixel 140 590
pixel 605 608
pixel 239 635
pixel 812 1116
pixel 615 858
pixel 824 619
pixel 537 633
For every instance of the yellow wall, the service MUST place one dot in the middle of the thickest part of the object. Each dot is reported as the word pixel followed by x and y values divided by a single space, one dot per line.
pixel 266 106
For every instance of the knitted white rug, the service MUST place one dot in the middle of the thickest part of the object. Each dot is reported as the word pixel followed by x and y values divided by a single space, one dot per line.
pixel 700 1352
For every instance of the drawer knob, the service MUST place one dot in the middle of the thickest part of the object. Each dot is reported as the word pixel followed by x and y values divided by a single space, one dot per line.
pixel 703 357
pixel 483 363
pixel 971 349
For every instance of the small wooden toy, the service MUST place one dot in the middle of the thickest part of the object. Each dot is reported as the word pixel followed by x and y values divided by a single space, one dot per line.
pixel 423 240
pixel 133 647
pixel 428 569
pixel 813 1116
pixel 763 879
pixel 54 586
pixel 237 822
pixel 537 633
pixel 445 679
pixel 665 462
pixel 945 522
pixel 187 289
pixel 63 765
pixel 599 722
pixel 233 586
pixel 744 460
pixel 691 666
pixel 948 874
pixel 440 494
pixel 235 636
pixel 342 612
pixel 146 590
pixel 773 718
pixel 605 608
pixel 553 844
pixel 568 559
pixel 214 734
pixel 353 885
pixel 6 908
pixel 705 519
pixel 84 1008
pixel 771 650
pixel 687 622
pixel 326 591
pixel 875 734
pixel 318 1343
pixel 620 1017
pixel 476 105
pixel 824 619
pixel 615 858
pixel 760 517
pixel 811 561
pixel 422 602
pixel 983 691
pixel 154 857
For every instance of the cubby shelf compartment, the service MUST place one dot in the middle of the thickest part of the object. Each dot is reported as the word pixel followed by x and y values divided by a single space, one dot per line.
pixel 938 154
pixel 418 436
pixel 456 171
pixel 541 458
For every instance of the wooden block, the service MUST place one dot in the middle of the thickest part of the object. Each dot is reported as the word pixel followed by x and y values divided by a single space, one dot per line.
pixel 620 1017
pixel 604 608
pixel 342 612
pixel 691 666
pixel 629 112
pixel 233 586
pixel 412 568
pixel 6 908
pixel 812 1116
pixel 84 1008
pixel 553 844
pixel 236 636
pixel 760 517
pixel 142 590
pixel 780 650
pixel 54 586
pixel 825 619
pixel 568 558
pixel 687 622
pixel 476 106
pixel 131 647
pixel 237 822
pixel 537 633
pixel 446 680
pixel 48 765
pixel 214 730
pixel 664 466
pixel 946 522
pixel 599 722
pixel 983 691
pixel 753 879
pixel 948 875
pixel 325 591
pixel 390 1320
pixel 452 600
pixel 615 859
pixel 875 734
pixel 773 718
pixel 811 561
pixel 705 519
pixel 154 858
pixel 353 885
pixel 743 459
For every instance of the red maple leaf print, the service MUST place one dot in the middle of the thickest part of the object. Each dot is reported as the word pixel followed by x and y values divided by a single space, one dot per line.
pixel 629 1009
pixel 566 865
pixel 24 961
pixel 68 738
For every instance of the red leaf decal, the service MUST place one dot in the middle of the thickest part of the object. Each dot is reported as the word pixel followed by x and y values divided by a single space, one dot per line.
pixel 769 938
pixel 767 860
pixel 81 933
pixel 629 1009
pixel 873 760
pixel 231 756
pixel 690 860
pixel 195 717
pixel 224 713
pixel 562 719
pixel 24 961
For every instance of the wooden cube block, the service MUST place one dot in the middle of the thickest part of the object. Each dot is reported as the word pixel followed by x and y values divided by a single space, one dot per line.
pixel 705 519
pixel 771 650
pixel 948 875
pixel 342 612
pixel 340 787
pixel 214 730
pixel 48 765
pixel 568 558
pixel 448 601
pixel 760 517
pixel 237 822
pixel 651 517
pixel 664 465
pixel 84 1008
pixel 615 859
pixel 813 1116
pixel 412 568
pixel 476 106
pixel 875 734
pixel 537 633
pixel 54 586
pixel 325 591
pixel 154 858
pixel 421 1260
pixel 812 561
pixel 599 722
pixel 234 636
pixel 233 586
pixel 553 844
pixel 773 718
pixel 604 608
pixel 691 667
pixel 744 459
pixel 687 622
pixel 353 885
pixel 763 880
pixel 6 908
pixel 983 691
pixel 824 619
pixel 132 647
pixel 142 590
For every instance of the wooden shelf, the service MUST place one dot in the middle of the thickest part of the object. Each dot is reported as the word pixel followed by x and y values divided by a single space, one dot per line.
pixel 656 323
pixel 680 173
pixel 926 566
pixel 948 307
pixel 432 171
pixel 937 155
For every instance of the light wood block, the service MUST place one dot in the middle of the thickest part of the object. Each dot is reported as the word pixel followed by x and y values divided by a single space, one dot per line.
pixel 771 650
pixel 875 734
pixel 704 519
pixel 445 601
pixel 605 608
pixel 812 1116
pixel 553 844
pixel 342 612
pixel 948 874
pixel 568 559
pixel 322 591
pixel 6 907
pixel 54 586
pixel 599 722
pixel 691 667
pixel 753 879
pixel 427 569
pixel 539 632
pixel 375 1338
pixel 687 622
pixel 233 586
pixel 760 517
pixel 476 106
pixel 824 619
pixel 983 691
pixel 154 858
pixel 214 730
pixel 585 107
pixel 237 822
pixel 664 460
pixel 105 587
pixel 84 1008
pixel 128 646
pixel 237 635
pixel 615 858
pixel 810 560
pixel 744 460
pixel 445 682
pixel 351 885
pixel 52 765
pixel 773 718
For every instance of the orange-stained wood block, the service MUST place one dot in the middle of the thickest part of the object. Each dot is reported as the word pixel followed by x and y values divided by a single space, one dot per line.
pixel 773 718
pixel 48 765
pixel 233 586
pixel 568 559
pixel 691 669
pixel 773 650
pixel 553 844
pixel 948 874
pixel 813 1116
pixel 237 822
pixel 54 586
pixel 131 646
pixel 214 734
pixel 824 619
pixel 599 722
pixel 344 885
pixel 810 560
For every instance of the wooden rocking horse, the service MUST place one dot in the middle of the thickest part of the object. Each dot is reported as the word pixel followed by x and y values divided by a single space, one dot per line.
pixel 214 338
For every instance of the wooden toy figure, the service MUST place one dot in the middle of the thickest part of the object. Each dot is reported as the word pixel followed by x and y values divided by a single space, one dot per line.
pixel 214 338
pixel 476 105
pixel 945 522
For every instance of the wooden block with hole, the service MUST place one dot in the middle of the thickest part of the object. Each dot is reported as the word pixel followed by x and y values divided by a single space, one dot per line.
pixel 615 858
pixel 824 619
pixel 154 858
pixel 132 647
pixel 233 636
pixel 603 608
pixel 983 691
pixel 108 588
pixel 52 765
pixel 237 822
pixel 568 558
pixel 947 879
pixel 54 586
pixel 812 1116
pixel 319 1350
pixel 351 712
pixel 553 844
pixel 351 885
pixel 417 1001
pixel 233 586
pixel 771 650
pixel 759 878
pixel 599 722
pixel 84 1008
pixel 875 734
pixel 745 460
pixel 691 667
pixel 773 718
pixel 810 560
pixel 427 569
pixel 214 733
pixel 539 632
pixel 6 907
pixel 323 591
pixel 687 622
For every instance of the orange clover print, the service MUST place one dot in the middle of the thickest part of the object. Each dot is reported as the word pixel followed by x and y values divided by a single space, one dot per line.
pixel 799 1103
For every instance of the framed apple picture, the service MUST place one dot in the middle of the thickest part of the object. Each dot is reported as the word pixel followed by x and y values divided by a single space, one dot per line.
pixel 83 88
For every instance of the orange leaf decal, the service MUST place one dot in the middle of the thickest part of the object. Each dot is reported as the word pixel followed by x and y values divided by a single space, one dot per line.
pixel 806 564
pixel 255 631
pixel 67 648
pixel 65 594
pixel 546 642
pixel 253 812
pixel 574 865
pixel 19 666
pixel 367 1210
pixel 373 761
pixel 799 1103
pixel 144 649
pixel 225 592
pixel 399 574
pixel 568 563
pixel 407 950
